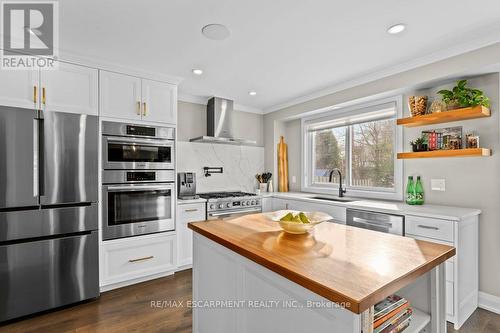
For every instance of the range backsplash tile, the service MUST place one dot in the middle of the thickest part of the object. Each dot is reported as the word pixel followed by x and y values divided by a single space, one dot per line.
pixel 240 163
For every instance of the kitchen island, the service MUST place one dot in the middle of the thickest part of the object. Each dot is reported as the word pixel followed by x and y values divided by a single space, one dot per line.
pixel 249 276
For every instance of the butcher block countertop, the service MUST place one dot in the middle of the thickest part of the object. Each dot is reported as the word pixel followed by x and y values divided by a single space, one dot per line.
pixel 344 264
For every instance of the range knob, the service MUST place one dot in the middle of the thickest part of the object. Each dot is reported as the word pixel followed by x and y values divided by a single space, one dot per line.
pixel 248 203
pixel 243 203
pixel 212 206
pixel 228 205
pixel 221 206
pixel 257 202
pixel 253 202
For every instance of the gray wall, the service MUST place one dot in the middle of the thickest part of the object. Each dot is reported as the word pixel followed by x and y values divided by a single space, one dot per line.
pixel 192 120
pixel 470 182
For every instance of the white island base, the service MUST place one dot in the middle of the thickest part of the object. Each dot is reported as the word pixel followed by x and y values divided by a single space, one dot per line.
pixel 232 294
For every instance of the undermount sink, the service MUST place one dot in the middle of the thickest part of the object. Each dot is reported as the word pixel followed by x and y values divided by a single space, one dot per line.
pixel 334 199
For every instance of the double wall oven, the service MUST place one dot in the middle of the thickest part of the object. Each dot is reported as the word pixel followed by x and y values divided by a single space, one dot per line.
pixel 138 179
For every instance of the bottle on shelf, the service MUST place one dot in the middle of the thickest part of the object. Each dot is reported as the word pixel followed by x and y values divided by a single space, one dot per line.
pixel 419 192
pixel 410 191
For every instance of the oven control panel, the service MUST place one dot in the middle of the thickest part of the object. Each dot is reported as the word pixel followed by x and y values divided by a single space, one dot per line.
pixel 141 176
pixel 141 130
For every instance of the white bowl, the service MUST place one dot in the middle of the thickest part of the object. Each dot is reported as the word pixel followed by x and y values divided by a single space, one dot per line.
pixel 315 218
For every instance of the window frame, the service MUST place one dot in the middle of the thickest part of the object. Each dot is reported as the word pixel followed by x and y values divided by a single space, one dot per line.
pixel 333 114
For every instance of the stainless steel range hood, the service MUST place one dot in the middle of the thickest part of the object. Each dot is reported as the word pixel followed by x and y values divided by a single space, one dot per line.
pixel 220 123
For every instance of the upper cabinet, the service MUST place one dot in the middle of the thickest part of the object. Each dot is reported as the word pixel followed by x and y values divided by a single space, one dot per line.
pixel 19 88
pixel 68 88
pixel 130 97
pixel 159 101
pixel 120 95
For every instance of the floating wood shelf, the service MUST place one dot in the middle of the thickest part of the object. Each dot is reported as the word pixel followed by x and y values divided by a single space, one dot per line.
pixel 445 117
pixel 470 152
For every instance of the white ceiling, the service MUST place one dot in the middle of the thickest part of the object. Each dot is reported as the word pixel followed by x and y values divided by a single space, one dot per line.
pixel 283 49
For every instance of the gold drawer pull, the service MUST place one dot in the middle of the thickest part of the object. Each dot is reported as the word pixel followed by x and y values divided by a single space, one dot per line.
pixel 139 108
pixel 34 94
pixel 141 259
pixel 43 95
pixel 145 110
pixel 191 210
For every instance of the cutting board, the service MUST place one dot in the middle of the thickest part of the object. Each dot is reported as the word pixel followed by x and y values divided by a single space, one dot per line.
pixel 282 166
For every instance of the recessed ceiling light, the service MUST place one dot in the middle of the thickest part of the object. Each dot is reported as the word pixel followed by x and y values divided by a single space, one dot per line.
pixel 215 31
pixel 396 29
pixel 197 71
pixel 252 93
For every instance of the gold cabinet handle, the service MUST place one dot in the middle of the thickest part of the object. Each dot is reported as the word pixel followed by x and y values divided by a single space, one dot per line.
pixel 144 110
pixel 34 94
pixel 141 259
pixel 138 108
pixel 43 95
pixel 191 210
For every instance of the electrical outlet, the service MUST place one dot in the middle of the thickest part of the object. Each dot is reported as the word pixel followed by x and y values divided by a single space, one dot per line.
pixel 294 179
pixel 438 184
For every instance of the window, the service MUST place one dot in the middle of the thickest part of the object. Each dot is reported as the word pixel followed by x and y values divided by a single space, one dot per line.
pixel 361 141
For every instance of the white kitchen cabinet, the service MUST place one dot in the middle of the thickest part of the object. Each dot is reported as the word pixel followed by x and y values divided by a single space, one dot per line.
pixel 279 204
pixel 187 213
pixel 130 260
pixel 70 88
pixel 462 274
pixel 159 101
pixel 120 95
pixel 19 88
pixel 267 204
pixel 129 97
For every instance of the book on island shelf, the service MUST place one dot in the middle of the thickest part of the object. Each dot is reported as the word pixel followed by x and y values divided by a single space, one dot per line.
pixel 392 315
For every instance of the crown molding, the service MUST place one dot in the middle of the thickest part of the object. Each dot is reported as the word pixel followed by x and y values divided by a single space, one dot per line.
pixel 203 100
pixel 481 38
pixel 106 65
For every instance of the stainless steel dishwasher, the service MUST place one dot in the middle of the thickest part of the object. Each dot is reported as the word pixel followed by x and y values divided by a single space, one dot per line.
pixel 388 223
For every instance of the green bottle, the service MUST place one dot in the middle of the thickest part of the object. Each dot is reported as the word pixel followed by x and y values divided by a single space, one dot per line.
pixel 410 191
pixel 419 192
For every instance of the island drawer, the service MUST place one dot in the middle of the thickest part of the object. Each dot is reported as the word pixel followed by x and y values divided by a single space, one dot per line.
pixel 430 228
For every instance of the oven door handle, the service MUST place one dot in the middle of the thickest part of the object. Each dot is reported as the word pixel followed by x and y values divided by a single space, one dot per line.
pixel 255 210
pixel 139 188
pixel 150 142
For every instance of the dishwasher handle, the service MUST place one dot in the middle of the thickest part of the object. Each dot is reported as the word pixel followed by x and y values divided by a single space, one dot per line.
pixel 387 223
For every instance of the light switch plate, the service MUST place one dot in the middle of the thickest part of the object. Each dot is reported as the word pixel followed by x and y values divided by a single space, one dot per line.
pixel 438 185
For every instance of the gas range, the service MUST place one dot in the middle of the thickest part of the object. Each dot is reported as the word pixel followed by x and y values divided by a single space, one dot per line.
pixel 231 201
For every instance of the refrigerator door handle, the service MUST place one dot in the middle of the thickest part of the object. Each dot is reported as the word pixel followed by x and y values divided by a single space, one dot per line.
pixel 36 158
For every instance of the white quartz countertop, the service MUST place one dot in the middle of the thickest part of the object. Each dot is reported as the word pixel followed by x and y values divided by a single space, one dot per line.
pixel 190 201
pixel 390 207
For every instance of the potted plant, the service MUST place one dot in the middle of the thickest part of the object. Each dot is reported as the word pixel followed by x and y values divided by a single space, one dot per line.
pixel 418 145
pixel 462 96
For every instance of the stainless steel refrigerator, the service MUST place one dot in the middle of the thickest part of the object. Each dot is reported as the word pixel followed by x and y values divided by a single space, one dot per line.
pixel 48 210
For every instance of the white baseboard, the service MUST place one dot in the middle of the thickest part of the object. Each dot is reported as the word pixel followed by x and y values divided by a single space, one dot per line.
pixel 489 302
pixel 108 287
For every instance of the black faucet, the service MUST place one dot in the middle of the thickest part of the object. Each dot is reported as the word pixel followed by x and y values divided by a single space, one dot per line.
pixel 341 190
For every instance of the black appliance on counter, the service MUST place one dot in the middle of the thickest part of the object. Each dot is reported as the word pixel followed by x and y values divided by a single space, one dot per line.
pixel 48 210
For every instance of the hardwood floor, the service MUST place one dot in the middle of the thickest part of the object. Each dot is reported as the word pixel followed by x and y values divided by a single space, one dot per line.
pixel 129 309
pixel 122 310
